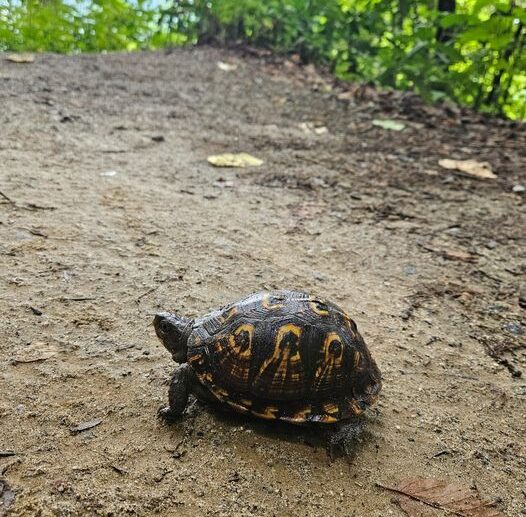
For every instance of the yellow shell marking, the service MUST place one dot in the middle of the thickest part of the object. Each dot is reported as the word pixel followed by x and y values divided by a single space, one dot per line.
pixel 332 360
pixel 327 419
pixel 318 307
pixel 222 393
pixel 266 302
pixel 284 365
pixel 330 408
pixel 357 358
pixel 269 413
pixel 238 347
pixel 237 407
pixel 301 415
pixel 356 408
pixel 233 353
pixel 229 314
pixel 349 324
pixel 196 359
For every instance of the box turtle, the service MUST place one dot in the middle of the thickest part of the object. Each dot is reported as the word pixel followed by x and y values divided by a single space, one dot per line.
pixel 282 355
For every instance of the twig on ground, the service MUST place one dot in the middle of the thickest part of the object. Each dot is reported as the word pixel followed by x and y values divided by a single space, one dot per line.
pixel 7 198
pixel 145 294
pixel 75 298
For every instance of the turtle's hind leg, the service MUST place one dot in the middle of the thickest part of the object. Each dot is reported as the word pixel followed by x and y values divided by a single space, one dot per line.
pixel 178 393
pixel 345 438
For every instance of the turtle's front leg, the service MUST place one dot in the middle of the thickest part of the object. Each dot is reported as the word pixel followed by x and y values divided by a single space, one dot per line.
pixel 345 438
pixel 180 387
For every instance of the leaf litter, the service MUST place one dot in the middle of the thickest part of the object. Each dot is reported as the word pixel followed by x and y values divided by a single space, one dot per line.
pixel 392 125
pixel 310 128
pixel 37 352
pixel 226 67
pixel 449 253
pixel 21 58
pixel 452 498
pixel 472 167
pixel 234 160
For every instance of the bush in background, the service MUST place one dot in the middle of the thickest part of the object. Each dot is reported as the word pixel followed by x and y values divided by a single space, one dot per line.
pixel 471 51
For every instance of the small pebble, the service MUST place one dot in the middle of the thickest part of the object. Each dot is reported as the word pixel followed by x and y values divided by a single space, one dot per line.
pixel 409 270
pixel 518 189
pixel 513 328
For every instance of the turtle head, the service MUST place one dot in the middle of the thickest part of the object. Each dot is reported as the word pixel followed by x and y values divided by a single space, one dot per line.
pixel 173 331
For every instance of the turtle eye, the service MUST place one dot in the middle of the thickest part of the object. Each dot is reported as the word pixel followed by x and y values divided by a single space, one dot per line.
pixel 164 327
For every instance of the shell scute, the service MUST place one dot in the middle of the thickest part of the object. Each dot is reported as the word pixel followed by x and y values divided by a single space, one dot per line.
pixel 285 355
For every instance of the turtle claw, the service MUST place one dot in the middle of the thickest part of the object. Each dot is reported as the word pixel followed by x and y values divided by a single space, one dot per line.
pixel 168 416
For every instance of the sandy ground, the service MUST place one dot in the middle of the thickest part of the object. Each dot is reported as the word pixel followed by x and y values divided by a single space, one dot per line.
pixel 110 213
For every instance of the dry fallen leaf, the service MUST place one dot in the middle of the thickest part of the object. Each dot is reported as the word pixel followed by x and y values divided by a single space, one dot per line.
pixel 414 508
pixel 20 58
pixel 234 160
pixel 85 426
pixel 37 352
pixel 450 254
pixel 226 67
pixel 455 499
pixel 471 167
pixel 463 256
pixel 310 127
pixel 312 76
pixel 393 125
pixel 346 95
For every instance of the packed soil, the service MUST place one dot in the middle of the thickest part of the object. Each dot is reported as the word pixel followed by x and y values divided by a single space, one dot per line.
pixel 110 212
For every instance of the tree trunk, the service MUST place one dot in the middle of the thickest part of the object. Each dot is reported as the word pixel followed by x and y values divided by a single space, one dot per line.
pixel 495 91
pixel 445 6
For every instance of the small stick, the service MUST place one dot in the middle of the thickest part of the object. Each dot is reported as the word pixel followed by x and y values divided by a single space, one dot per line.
pixel 75 298
pixel 32 231
pixel 34 206
pixel 7 198
pixel 145 294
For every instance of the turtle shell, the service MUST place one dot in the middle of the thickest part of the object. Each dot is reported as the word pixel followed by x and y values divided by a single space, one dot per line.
pixel 284 355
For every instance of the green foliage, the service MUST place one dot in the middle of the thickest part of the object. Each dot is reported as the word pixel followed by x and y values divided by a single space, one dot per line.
pixel 474 55
pixel 59 26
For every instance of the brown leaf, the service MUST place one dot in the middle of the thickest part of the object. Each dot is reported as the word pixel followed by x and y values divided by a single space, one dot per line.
pixel 458 255
pixel 20 58
pixel 37 352
pixel 226 67
pixel 472 167
pixel 450 497
pixel 450 254
pixel 234 160
pixel 414 508
pixel 311 127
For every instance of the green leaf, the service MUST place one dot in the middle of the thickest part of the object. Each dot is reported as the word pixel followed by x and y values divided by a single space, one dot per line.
pixel 450 20
pixel 392 125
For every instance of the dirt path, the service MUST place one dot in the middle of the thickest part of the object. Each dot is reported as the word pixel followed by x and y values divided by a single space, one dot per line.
pixel 111 212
